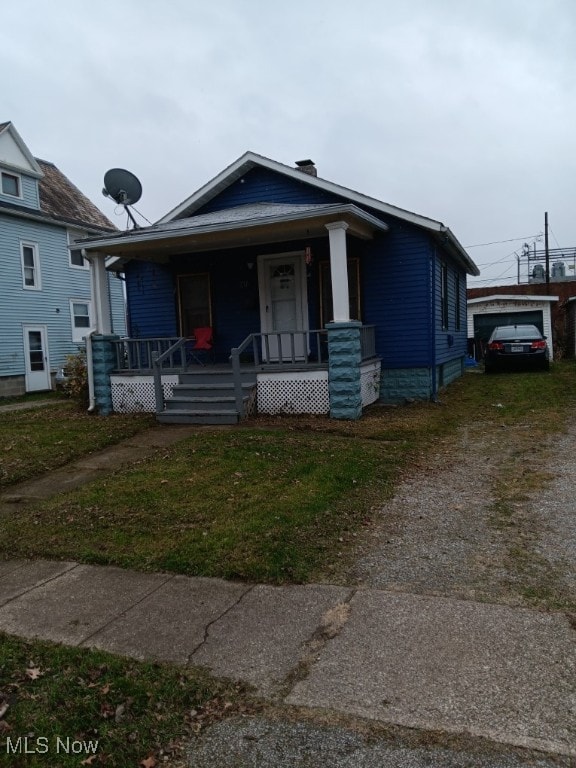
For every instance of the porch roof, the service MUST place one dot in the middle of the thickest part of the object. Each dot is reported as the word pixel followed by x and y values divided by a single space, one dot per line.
pixel 252 224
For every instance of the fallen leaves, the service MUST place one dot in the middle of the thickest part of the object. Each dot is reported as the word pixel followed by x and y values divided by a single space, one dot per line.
pixel 33 672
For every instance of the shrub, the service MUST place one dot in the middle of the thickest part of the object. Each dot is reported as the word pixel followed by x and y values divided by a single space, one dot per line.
pixel 75 382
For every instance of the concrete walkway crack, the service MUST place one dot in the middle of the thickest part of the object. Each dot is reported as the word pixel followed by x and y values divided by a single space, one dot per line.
pixel 214 621
pixel 40 583
pixel 331 624
pixel 105 626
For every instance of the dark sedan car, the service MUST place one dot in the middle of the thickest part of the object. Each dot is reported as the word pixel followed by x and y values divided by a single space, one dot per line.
pixel 516 346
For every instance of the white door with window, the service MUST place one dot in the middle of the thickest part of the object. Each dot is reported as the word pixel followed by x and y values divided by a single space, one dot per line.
pixel 36 354
pixel 283 306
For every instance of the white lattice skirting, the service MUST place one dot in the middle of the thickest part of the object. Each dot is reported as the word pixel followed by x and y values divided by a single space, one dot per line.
pixel 286 392
pixel 307 391
pixel 293 392
pixel 370 383
pixel 135 394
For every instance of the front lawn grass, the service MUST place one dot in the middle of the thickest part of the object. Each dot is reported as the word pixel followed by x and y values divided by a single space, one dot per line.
pixel 281 499
pixel 262 505
pixel 72 707
pixel 40 439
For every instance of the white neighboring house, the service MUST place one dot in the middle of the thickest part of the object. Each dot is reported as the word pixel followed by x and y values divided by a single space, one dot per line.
pixel 487 312
pixel 46 303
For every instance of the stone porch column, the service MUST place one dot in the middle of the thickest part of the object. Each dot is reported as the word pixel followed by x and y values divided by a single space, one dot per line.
pixel 344 358
pixel 103 362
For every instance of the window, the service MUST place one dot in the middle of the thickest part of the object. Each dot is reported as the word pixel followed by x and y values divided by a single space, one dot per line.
pixel 326 308
pixel 30 266
pixel 444 296
pixel 458 305
pixel 11 184
pixel 194 302
pixel 80 314
pixel 76 258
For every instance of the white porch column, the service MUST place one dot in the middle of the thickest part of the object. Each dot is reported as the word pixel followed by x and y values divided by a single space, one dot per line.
pixel 339 271
pixel 100 294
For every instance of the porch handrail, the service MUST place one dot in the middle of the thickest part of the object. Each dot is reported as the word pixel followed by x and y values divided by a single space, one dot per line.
pixel 135 354
pixel 157 360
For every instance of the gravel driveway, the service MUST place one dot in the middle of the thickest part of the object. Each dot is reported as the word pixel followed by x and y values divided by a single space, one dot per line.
pixel 489 516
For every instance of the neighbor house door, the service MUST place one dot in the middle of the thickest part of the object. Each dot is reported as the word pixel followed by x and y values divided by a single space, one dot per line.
pixel 283 305
pixel 36 354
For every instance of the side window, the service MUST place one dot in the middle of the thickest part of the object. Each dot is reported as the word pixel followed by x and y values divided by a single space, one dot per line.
pixel 76 258
pixel 457 301
pixel 444 295
pixel 30 266
pixel 80 314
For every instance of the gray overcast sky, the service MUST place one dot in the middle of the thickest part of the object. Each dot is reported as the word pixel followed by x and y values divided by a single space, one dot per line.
pixel 461 110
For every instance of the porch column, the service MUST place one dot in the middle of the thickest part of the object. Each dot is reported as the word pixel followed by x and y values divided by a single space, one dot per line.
pixel 339 271
pixel 103 362
pixel 100 293
pixel 344 358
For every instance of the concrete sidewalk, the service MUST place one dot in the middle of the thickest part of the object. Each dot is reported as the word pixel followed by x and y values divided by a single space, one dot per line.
pixel 508 674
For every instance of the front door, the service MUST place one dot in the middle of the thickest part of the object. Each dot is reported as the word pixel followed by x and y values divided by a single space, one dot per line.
pixel 283 306
pixel 36 354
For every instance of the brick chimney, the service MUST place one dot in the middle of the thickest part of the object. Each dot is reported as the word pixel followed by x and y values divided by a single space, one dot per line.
pixel 307 166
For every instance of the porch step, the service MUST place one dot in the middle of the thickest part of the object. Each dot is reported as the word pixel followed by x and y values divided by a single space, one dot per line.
pixel 202 403
pixel 206 396
pixel 207 375
pixel 220 389
pixel 198 417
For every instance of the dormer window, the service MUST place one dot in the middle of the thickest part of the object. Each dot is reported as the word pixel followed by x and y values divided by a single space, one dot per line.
pixel 11 184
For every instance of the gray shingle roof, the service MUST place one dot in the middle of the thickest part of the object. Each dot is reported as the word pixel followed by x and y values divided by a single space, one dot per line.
pixel 256 212
pixel 61 199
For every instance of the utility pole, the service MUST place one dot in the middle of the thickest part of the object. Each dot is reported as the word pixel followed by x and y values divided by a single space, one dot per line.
pixel 546 251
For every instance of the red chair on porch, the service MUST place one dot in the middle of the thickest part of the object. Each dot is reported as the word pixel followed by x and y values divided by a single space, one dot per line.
pixel 202 346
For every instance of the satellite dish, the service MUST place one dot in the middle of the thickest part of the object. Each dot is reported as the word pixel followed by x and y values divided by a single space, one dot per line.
pixel 122 186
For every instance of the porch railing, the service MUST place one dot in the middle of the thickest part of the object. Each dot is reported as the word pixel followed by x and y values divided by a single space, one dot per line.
pixel 274 349
pixel 368 341
pixel 172 357
pixel 138 354
pixel 288 348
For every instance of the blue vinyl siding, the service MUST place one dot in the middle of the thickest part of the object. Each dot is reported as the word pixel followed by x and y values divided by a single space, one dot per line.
pixel 49 306
pixel 451 342
pixel 151 300
pixel 399 281
pixel 395 278
pixel 263 186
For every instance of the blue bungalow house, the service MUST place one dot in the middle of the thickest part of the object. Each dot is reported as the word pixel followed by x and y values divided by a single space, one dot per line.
pixel 46 302
pixel 319 299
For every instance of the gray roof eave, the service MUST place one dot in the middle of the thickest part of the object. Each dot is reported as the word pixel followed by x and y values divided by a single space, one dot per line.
pixel 152 235
pixel 512 297
pixel 448 239
pixel 44 218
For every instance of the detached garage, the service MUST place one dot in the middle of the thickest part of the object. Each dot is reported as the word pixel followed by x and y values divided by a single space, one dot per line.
pixel 486 312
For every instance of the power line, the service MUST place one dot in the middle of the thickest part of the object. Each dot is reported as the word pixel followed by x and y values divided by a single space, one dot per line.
pixel 554 236
pixel 511 240
pixel 499 277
